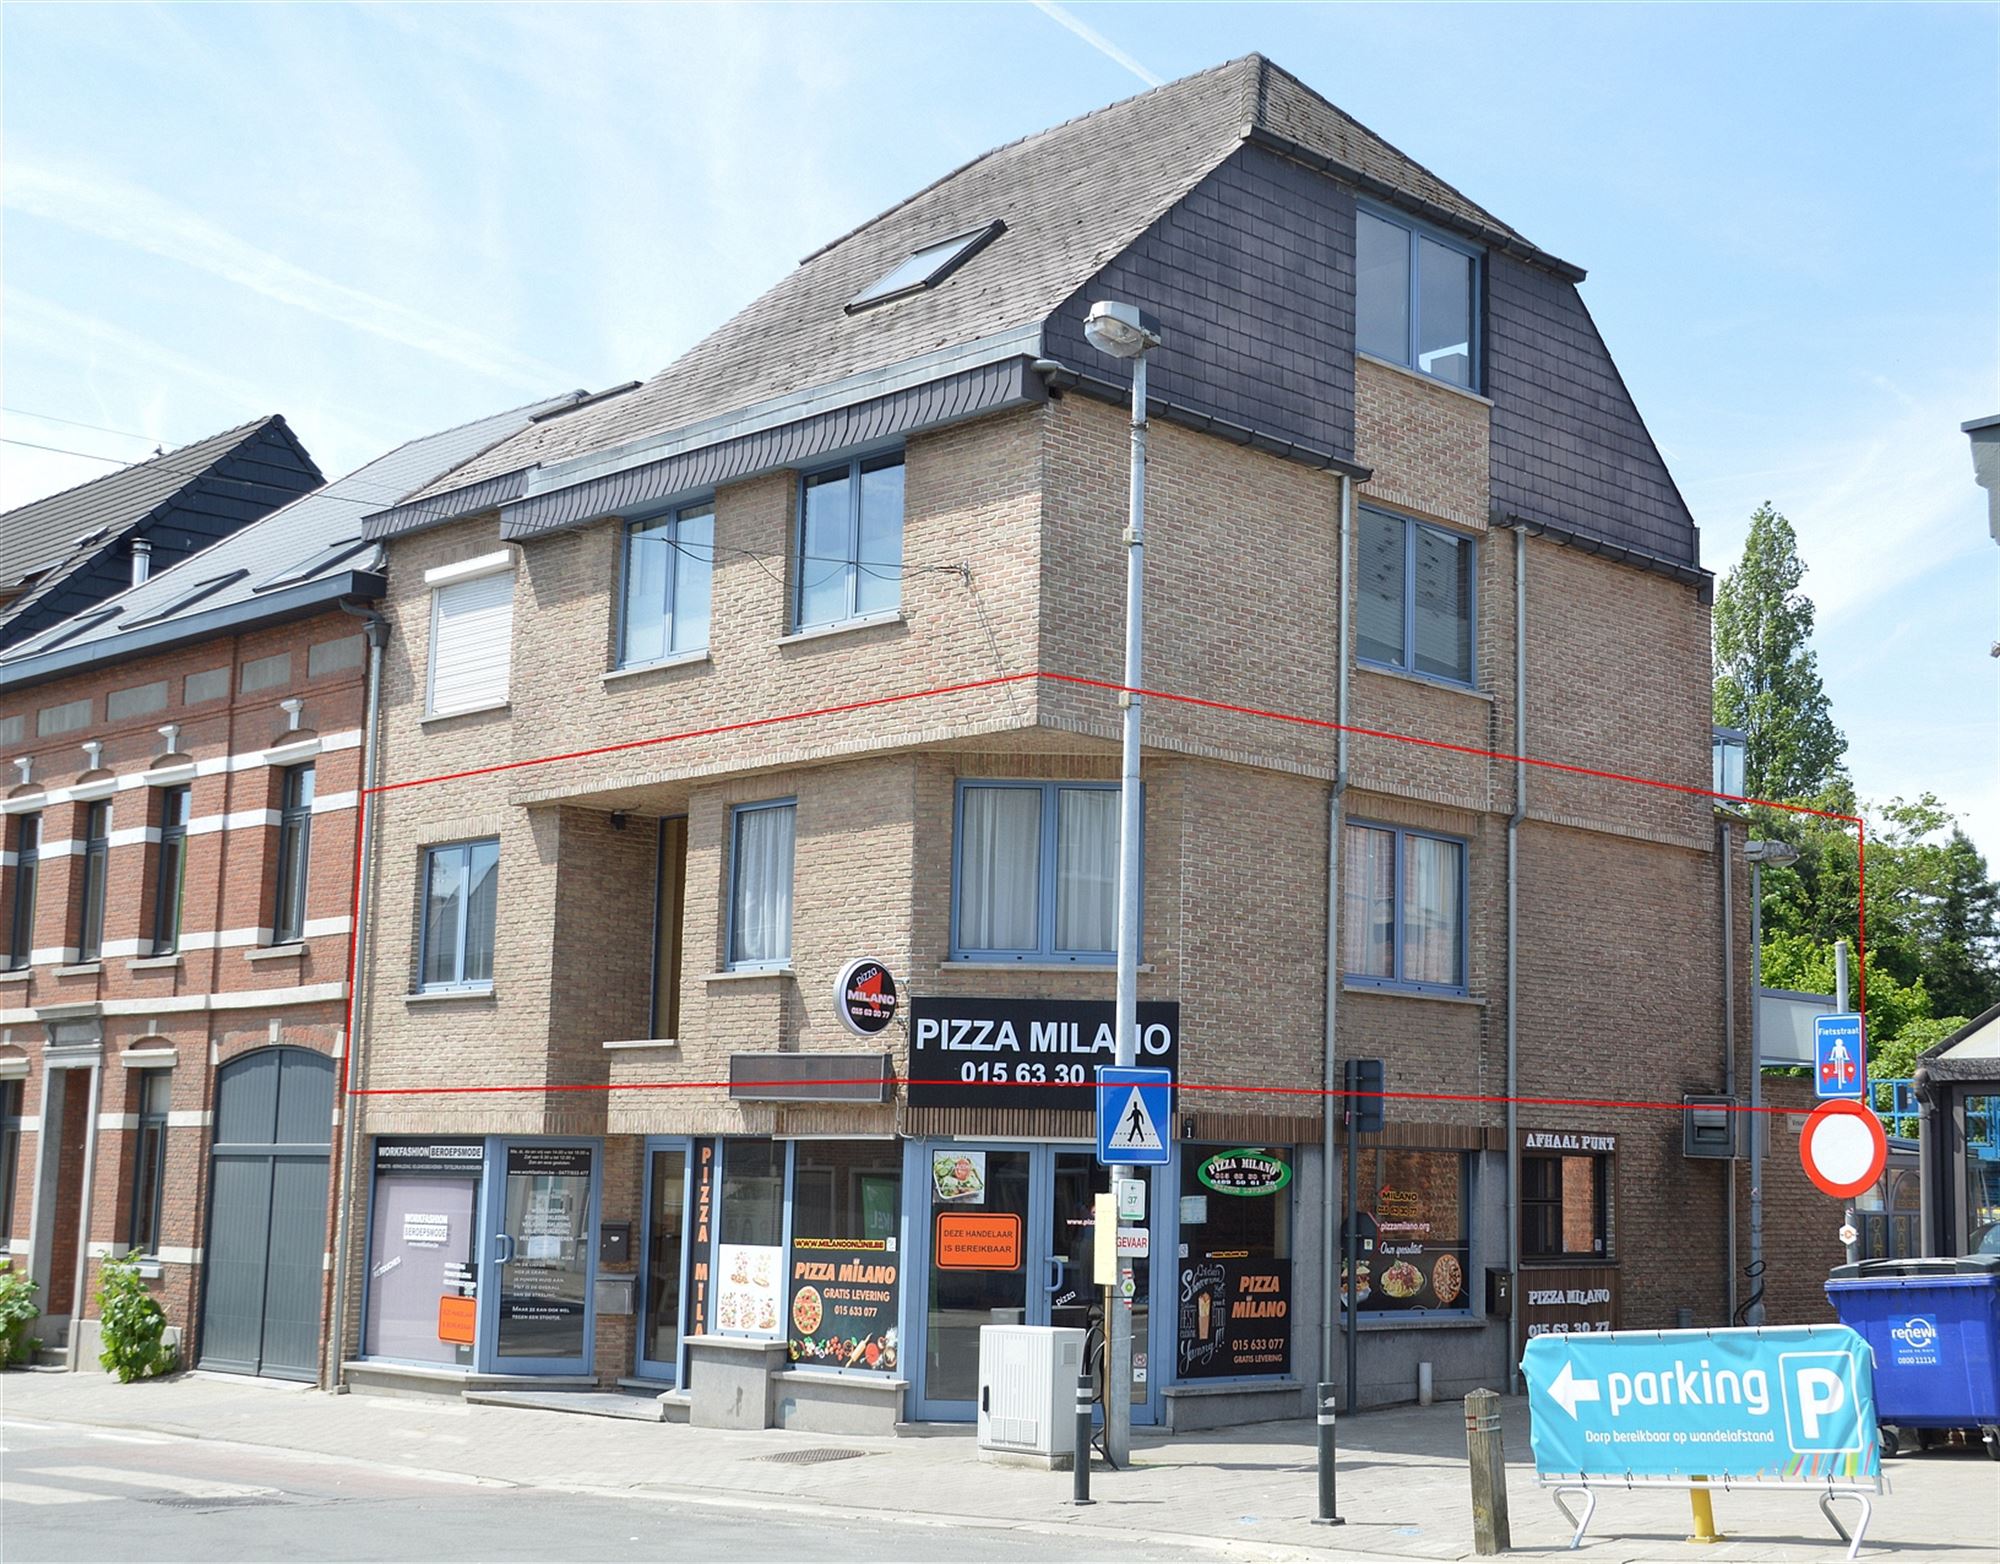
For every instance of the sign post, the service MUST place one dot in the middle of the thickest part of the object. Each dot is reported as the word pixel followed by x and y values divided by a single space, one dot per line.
pixel 1364 1079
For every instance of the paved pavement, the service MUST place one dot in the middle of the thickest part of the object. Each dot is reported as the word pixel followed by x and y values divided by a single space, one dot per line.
pixel 1250 1493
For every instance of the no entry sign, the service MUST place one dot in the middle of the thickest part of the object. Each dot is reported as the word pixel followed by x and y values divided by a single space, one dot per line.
pixel 1843 1148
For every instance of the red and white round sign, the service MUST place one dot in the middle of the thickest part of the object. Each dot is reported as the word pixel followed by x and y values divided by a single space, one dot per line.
pixel 1843 1148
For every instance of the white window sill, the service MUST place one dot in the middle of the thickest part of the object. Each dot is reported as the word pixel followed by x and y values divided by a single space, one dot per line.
pixel 678 660
pixel 291 951
pixel 439 996
pixel 1393 991
pixel 628 1044
pixel 430 717
pixel 149 1269
pixel 152 963
pixel 1429 681
pixel 893 616
pixel 17 974
pixel 749 974
pixel 1439 1320
pixel 81 969
pixel 1424 379
pixel 1108 968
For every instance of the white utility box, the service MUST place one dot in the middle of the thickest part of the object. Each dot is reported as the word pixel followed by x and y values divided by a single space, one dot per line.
pixel 1027 1391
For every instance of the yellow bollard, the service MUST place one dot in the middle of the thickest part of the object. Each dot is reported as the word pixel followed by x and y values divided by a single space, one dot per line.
pixel 1704 1514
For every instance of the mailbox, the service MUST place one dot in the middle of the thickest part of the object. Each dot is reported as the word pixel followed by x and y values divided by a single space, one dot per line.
pixel 1708 1128
pixel 1499 1292
pixel 614 1243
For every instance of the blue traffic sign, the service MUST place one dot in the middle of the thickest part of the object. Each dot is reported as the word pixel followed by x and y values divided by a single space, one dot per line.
pixel 1786 1401
pixel 1840 1059
pixel 1132 1116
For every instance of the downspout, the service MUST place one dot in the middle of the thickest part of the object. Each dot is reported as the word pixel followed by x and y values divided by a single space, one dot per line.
pixel 1329 1237
pixel 1728 861
pixel 88 1203
pixel 1514 961
pixel 377 629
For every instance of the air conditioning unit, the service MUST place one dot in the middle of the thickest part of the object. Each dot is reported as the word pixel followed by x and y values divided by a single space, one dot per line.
pixel 1027 1391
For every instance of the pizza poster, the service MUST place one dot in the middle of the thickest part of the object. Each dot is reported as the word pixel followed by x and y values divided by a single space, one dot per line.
pixel 1235 1318
pixel 843 1303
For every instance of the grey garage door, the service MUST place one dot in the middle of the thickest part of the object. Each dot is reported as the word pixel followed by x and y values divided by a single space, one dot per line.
pixel 263 1270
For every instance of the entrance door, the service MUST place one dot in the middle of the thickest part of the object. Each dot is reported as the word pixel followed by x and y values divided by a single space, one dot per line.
pixel 542 1260
pixel 267 1214
pixel 1008 1242
pixel 663 1261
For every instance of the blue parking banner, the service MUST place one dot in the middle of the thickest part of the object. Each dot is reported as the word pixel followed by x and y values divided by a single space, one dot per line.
pixel 1132 1116
pixel 1792 1401
pixel 1840 1057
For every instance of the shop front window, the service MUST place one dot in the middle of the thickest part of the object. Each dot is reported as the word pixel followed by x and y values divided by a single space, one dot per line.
pixel 422 1252
pixel 1234 1290
pixel 545 1274
pixel 846 1269
pixel 1564 1206
pixel 750 1252
pixel 1413 1207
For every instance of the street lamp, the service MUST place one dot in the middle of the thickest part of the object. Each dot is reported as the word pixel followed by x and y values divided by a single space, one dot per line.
pixel 1761 855
pixel 1124 331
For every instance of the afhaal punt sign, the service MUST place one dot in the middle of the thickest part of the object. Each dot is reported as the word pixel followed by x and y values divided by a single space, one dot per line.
pixel 1782 1406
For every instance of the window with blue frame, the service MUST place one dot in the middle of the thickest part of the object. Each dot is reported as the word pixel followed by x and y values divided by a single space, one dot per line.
pixel 669 572
pixel 1415 298
pixel 850 563
pixel 1414 597
pixel 1036 872
pixel 760 884
pixel 1402 916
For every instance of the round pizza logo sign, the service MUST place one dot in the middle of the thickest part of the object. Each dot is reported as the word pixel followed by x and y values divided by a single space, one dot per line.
pixel 865 997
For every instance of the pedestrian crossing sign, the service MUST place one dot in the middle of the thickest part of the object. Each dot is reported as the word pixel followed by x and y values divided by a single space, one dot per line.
pixel 1132 1110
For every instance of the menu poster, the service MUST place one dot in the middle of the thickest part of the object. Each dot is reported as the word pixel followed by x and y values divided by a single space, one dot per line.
pixel 749 1279
pixel 1235 1318
pixel 1421 1257
pixel 843 1303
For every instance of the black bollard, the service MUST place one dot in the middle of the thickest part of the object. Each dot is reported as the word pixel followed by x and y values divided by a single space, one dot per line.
pixel 1326 1516
pixel 1086 1393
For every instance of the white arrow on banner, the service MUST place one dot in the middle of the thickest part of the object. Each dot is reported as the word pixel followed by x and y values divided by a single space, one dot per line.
pixel 1566 1390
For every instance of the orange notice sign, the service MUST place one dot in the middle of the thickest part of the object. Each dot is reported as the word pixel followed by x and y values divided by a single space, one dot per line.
pixel 977 1242
pixel 455 1318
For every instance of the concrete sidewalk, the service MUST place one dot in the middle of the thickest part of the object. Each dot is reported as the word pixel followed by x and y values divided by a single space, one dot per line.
pixel 1402 1476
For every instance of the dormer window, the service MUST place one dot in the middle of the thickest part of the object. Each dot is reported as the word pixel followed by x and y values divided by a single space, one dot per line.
pixel 926 268
pixel 1415 298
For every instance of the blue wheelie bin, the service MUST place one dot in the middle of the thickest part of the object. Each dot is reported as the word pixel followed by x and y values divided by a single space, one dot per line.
pixel 1934 1325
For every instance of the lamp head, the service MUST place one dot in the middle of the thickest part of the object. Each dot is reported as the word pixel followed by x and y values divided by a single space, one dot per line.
pixel 1121 330
pixel 1770 855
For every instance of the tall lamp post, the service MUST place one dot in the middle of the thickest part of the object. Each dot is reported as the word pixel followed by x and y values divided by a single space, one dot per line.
pixel 1762 855
pixel 1124 331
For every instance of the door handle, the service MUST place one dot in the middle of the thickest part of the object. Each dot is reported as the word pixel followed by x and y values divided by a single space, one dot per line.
pixel 1057 1270
pixel 504 1254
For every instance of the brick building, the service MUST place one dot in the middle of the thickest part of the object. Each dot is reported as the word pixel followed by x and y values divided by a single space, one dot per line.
pixel 857 546
pixel 176 879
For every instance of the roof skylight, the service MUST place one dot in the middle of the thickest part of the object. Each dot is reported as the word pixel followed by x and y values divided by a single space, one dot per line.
pixel 926 268
pixel 314 564
pixel 193 595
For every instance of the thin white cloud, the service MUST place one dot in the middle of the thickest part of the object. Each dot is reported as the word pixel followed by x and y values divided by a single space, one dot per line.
pixel 101 204
pixel 1064 17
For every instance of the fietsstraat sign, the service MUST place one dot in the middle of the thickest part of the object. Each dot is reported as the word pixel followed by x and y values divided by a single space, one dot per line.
pixel 1781 1402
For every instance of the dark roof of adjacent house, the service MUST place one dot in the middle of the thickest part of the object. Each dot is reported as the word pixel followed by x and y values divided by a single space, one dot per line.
pixel 1071 199
pixel 1972 1053
pixel 296 559
pixel 60 554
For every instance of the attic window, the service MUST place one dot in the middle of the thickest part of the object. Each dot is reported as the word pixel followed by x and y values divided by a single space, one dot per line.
pixel 76 628
pixel 313 564
pixel 192 596
pixel 926 268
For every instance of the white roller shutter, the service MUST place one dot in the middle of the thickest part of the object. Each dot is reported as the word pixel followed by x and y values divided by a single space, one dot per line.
pixel 472 635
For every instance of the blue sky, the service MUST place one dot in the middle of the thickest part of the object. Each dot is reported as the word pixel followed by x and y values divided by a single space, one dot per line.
pixel 382 221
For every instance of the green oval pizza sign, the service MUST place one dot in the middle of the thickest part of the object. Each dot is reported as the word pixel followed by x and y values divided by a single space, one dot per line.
pixel 1245 1171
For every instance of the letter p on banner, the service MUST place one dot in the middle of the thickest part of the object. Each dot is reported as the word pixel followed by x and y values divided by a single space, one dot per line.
pixel 1821 1399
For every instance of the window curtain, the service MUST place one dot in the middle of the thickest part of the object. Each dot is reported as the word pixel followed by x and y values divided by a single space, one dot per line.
pixel 999 903
pixel 1086 869
pixel 648 567
pixel 763 921
pixel 1431 911
pixel 1443 630
pixel 694 572
pixel 1368 903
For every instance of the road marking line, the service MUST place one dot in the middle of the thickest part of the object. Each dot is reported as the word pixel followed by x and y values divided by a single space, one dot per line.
pixel 163 1482
pixel 17 1492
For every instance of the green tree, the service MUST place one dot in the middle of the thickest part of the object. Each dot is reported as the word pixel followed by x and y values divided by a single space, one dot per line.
pixel 1766 673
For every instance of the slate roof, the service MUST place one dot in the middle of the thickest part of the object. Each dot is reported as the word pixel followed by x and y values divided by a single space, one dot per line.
pixel 315 539
pixel 1072 198
pixel 204 490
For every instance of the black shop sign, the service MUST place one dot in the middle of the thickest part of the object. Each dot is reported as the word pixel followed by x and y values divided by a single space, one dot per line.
pixel 1235 1318
pixel 1026 1053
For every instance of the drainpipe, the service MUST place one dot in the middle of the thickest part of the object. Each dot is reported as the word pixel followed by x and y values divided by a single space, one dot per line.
pixel 377 629
pixel 1728 861
pixel 1514 961
pixel 87 1203
pixel 1329 1239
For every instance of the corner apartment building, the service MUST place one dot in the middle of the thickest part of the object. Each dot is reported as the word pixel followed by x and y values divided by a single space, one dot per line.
pixel 182 768
pixel 699 693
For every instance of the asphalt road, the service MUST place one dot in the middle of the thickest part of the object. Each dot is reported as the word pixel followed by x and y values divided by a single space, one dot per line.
pixel 72 1494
